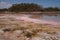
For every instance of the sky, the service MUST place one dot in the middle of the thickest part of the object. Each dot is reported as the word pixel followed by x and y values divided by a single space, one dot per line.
pixel 44 3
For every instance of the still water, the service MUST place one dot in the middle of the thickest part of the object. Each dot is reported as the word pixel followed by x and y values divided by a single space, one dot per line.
pixel 51 18
pixel 46 17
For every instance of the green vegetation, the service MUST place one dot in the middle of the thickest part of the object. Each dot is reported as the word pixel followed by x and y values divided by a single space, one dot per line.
pixel 25 7
pixel 29 7
pixel 1 10
pixel 52 9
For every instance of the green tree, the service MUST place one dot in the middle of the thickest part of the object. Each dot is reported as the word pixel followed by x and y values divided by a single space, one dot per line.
pixel 25 7
pixel 52 9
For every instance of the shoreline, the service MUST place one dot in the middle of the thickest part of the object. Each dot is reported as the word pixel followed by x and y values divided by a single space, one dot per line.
pixel 27 19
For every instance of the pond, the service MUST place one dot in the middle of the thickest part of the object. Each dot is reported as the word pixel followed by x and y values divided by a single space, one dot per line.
pixel 51 18
pixel 46 17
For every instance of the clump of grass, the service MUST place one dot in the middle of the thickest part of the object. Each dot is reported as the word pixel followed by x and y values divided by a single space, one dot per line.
pixel 51 32
pixel 5 30
pixel 28 35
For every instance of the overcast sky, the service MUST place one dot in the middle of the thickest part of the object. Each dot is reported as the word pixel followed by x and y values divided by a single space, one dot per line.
pixel 44 3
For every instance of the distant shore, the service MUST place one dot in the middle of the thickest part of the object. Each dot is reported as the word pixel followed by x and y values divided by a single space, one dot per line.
pixel 34 13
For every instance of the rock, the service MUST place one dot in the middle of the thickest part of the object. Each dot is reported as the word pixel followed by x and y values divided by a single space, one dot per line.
pixel 37 38
pixel 1 31
pixel 15 35
pixel 45 36
pixel 18 31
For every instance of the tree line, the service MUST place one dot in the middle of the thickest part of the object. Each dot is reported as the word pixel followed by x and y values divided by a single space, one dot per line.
pixel 29 7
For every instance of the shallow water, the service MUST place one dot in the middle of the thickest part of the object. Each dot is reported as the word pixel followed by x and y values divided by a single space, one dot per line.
pixel 46 17
pixel 51 18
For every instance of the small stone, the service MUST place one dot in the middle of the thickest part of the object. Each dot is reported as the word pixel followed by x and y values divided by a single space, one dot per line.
pixel 1 31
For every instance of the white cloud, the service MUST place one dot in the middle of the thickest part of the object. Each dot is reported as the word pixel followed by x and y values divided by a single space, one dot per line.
pixel 4 5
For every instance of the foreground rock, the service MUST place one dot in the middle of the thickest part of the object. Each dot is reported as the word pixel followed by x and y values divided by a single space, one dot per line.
pixel 29 31
pixel 20 35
